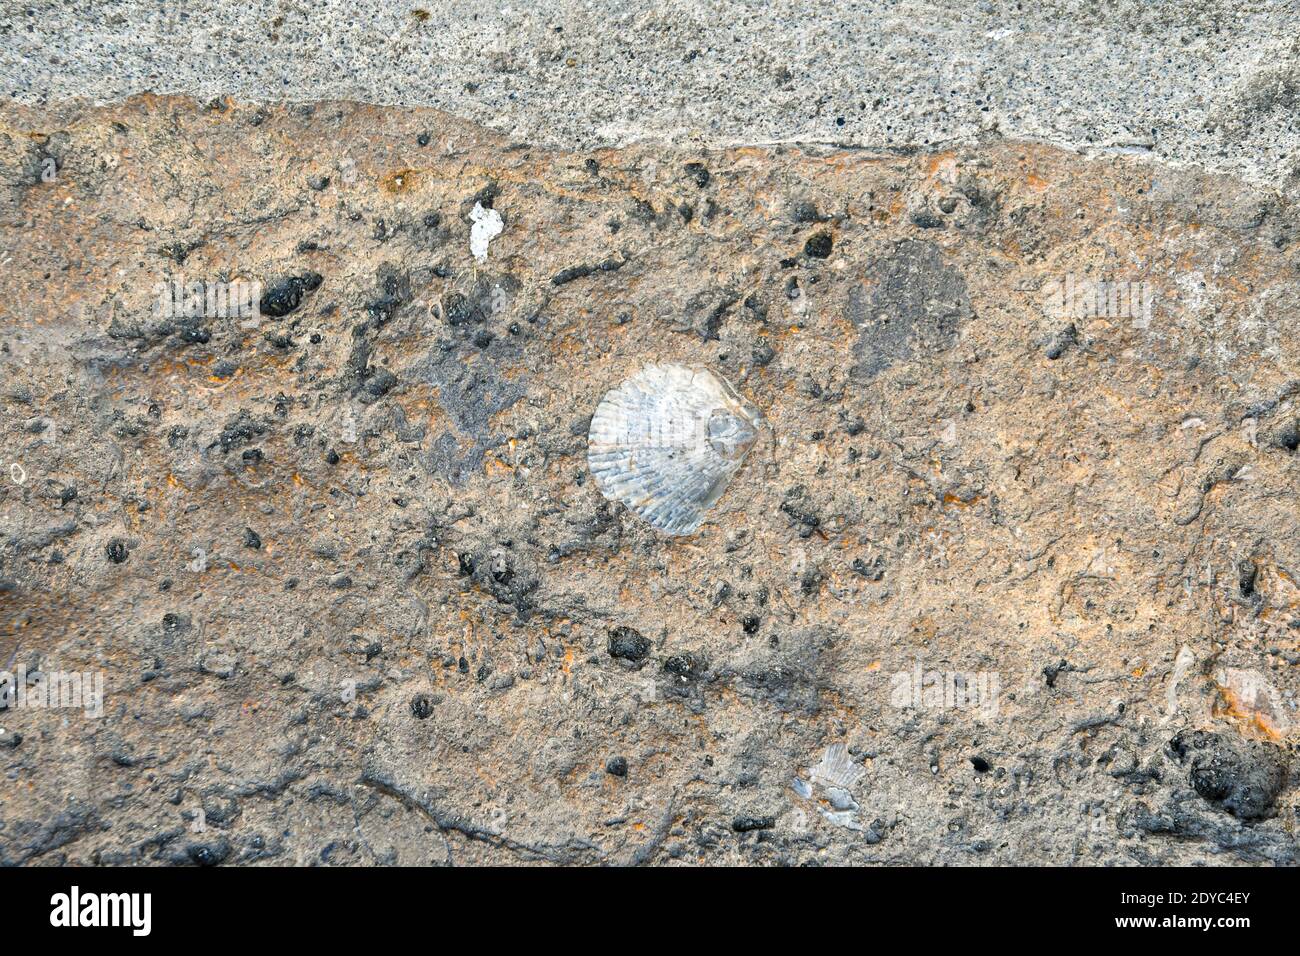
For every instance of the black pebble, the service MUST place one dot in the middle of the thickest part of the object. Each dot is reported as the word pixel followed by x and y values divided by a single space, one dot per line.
pixel 459 311
pixel 117 551
pixel 1061 341
pixel 698 173
pixel 285 295
pixel 616 766
pixel 421 707
pixel 628 644
pixel 819 246
pixel 796 506
pixel 806 212
pixel 1246 574
pixel 208 854
pixel 685 666
pixel 1288 436
pixel 194 334
pixel 380 382
pixel 872 572
pixel 1052 671
pixel 1243 776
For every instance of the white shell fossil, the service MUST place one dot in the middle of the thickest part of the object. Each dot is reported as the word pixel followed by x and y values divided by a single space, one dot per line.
pixel 836 769
pixel 667 441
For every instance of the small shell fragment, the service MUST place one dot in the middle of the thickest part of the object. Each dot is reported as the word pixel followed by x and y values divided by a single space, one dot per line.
pixel 487 226
pixel 837 769
pixel 667 442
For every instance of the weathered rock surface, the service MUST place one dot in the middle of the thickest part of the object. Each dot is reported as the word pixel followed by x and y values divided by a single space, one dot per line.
pixel 1211 83
pixel 356 599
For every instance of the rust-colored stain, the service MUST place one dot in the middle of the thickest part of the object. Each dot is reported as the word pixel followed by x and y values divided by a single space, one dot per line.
pixel 1228 705
pixel 400 181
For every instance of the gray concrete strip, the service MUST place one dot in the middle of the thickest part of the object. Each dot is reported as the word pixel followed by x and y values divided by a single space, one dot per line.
pixel 1211 83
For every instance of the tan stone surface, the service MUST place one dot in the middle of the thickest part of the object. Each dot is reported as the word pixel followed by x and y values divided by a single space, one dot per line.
pixel 938 492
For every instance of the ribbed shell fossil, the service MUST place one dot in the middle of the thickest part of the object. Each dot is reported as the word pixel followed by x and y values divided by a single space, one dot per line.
pixel 667 441
pixel 836 769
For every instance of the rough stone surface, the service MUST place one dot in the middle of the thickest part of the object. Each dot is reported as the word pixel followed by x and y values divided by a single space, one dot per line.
pixel 357 600
pixel 1214 83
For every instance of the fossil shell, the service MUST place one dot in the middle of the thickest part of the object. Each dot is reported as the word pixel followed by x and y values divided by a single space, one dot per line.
pixel 836 769
pixel 667 441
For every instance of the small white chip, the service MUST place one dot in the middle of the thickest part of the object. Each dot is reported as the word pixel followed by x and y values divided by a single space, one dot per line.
pixel 487 226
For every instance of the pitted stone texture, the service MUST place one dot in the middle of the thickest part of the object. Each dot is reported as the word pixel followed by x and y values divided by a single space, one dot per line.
pixel 356 596
pixel 1210 83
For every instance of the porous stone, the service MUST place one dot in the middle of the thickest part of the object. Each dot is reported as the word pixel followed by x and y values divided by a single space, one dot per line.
pixel 1004 580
